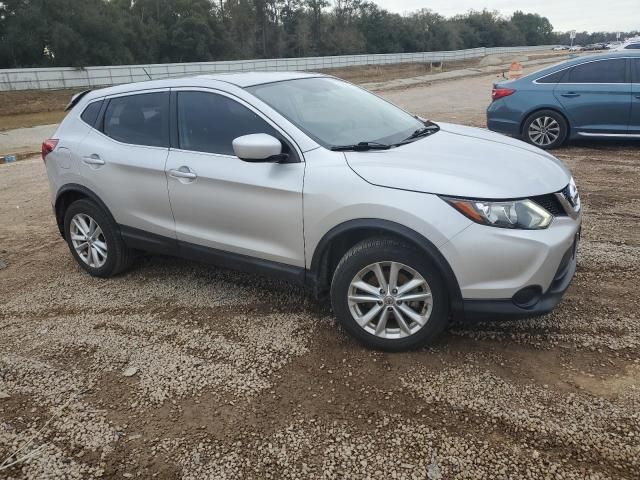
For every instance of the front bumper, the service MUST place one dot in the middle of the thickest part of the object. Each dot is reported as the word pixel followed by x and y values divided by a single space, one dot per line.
pixel 506 273
pixel 511 309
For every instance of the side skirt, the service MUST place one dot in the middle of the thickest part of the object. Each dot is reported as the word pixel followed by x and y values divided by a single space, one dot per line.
pixel 159 244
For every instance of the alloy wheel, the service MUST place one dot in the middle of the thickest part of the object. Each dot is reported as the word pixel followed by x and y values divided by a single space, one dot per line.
pixel 88 240
pixel 543 131
pixel 390 300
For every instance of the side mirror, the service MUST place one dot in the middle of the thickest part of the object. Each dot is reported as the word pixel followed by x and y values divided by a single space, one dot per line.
pixel 258 147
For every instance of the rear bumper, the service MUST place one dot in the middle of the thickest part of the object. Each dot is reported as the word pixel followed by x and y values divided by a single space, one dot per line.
pixel 504 126
pixel 502 119
pixel 509 309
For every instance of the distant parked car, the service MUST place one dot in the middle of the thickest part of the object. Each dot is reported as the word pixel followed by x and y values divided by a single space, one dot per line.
pixel 575 48
pixel 595 96
pixel 632 44
pixel 560 47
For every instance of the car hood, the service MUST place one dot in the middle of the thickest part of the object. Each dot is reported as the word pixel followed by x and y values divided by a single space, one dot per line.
pixel 464 162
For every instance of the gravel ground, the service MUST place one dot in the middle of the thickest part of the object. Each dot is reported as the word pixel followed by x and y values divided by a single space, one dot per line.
pixel 178 370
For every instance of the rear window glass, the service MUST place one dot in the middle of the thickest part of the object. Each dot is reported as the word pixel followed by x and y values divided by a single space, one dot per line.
pixel 553 77
pixel 603 71
pixel 90 114
pixel 633 46
pixel 139 119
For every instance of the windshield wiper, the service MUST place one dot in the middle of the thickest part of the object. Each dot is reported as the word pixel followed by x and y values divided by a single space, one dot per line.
pixel 361 147
pixel 421 132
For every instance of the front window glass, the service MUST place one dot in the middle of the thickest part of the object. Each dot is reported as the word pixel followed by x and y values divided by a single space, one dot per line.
pixel 336 113
pixel 209 122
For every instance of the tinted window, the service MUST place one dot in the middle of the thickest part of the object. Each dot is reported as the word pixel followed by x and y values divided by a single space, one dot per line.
pixel 553 78
pixel 90 114
pixel 633 46
pixel 604 71
pixel 139 119
pixel 209 122
pixel 636 62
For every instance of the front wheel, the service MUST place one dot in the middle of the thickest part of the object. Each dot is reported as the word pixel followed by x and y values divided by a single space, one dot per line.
pixel 545 129
pixel 389 296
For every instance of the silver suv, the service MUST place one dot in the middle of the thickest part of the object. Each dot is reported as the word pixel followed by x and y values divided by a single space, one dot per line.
pixel 403 223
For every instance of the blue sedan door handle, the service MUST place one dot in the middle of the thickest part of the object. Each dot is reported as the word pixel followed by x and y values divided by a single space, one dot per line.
pixel 570 94
pixel 638 97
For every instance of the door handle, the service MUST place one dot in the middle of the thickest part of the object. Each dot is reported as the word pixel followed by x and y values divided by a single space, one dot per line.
pixel 638 97
pixel 183 172
pixel 570 94
pixel 93 159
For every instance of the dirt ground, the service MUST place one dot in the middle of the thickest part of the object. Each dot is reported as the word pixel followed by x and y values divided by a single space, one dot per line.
pixel 178 370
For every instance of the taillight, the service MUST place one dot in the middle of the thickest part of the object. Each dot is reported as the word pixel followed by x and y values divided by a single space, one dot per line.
pixel 498 93
pixel 48 146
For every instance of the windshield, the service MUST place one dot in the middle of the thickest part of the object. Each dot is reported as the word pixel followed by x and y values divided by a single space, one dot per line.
pixel 336 113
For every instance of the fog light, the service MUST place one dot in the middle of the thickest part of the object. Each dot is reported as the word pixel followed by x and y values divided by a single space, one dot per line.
pixel 528 296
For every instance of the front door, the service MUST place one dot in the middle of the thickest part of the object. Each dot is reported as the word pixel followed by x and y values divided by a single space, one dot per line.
pixel 596 96
pixel 222 202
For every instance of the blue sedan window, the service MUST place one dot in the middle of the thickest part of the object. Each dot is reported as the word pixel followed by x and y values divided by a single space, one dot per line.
pixel 553 77
pixel 602 71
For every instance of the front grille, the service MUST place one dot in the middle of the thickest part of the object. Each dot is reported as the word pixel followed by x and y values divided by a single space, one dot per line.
pixel 551 204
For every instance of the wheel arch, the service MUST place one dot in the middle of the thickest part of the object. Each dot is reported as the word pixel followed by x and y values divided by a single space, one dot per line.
pixel 337 241
pixel 70 193
pixel 553 108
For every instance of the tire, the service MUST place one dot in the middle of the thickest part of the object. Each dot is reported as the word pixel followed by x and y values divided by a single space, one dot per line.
pixel 117 257
pixel 430 302
pixel 540 128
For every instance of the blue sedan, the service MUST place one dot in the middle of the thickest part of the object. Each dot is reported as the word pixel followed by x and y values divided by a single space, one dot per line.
pixel 589 96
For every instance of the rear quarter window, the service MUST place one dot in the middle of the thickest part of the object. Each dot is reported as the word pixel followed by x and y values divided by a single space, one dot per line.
pixel 90 113
pixel 553 77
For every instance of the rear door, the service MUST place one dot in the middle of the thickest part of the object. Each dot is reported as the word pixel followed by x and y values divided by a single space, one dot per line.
pixel 252 209
pixel 123 157
pixel 634 123
pixel 596 96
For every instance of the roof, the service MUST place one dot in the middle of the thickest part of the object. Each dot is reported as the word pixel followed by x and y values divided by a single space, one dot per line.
pixel 241 80
pixel 248 79
pixel 581 59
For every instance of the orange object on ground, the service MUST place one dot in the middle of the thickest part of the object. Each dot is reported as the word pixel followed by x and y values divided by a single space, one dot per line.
pixel 515 71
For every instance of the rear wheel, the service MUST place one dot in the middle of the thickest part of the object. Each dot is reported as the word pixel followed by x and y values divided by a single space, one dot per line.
pixel 94 240
pixel 389 296
pixel 545 129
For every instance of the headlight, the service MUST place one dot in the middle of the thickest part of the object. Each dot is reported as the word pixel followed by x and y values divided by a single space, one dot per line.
pixel 523 214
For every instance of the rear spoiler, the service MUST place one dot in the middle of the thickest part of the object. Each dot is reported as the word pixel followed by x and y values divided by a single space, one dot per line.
pixel 75 99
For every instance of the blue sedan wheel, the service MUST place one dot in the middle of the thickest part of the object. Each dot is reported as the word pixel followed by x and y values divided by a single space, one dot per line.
pixel 545 129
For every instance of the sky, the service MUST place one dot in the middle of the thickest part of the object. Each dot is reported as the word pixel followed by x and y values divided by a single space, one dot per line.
pixel 564 15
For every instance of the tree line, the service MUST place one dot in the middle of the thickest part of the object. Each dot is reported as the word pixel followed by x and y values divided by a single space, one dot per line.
pixel 40 33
